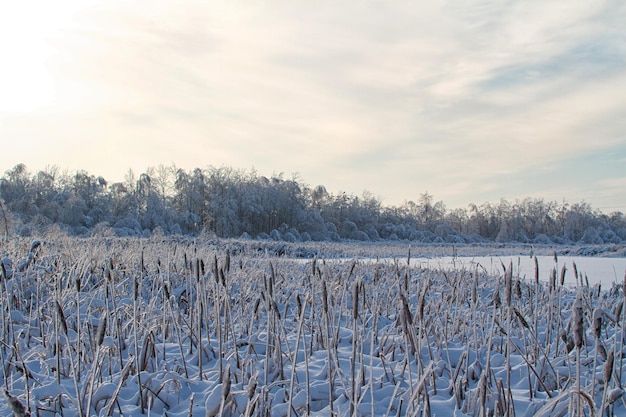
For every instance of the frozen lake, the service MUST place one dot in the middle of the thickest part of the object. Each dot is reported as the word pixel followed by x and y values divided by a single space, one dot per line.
pixel 597 269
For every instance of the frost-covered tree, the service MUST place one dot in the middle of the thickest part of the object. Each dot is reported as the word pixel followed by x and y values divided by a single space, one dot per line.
pixel 231 203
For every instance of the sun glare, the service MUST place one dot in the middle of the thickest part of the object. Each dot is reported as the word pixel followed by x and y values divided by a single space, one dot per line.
pixel 28 30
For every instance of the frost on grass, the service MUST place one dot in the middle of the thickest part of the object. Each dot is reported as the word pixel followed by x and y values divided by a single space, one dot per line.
pixel 146 327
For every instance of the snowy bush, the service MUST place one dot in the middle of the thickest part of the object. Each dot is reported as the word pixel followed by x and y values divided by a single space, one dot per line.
pixel 542 239
pixel 103 230
pixel 591 237
pixel 275 235
pixel 360 236
pixel 289 237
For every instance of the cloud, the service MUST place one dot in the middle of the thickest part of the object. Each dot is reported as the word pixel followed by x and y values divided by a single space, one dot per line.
pixel 462 99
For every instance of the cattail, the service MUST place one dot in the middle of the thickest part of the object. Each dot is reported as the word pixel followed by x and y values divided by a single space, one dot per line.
pixel 406 311
pixel 216 270
pixel 355 300
pixel 508 277
pixel 275 308
pixel 475 288
pixel 614 395
pixel 420 307
pixel 252 384
pixel 223 277
pixel 325 297
pixel 618 310
pixel 536 271
pixel 101 329
pixel 61 315
pixel 521 318
pixel 496 297
pixel 256 306
pixel 518 289
pixel 15 405
pixel 563 270
pixel 352 266
pixel 136 288
pixel 597 321
pixel 272 281
pixel 227 383
pixel 578 323
pixel 602 352
pixel 299 305
pixel 191 399
pixel 608 368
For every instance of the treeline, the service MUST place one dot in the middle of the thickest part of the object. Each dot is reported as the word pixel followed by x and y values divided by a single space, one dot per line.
pixel 225 202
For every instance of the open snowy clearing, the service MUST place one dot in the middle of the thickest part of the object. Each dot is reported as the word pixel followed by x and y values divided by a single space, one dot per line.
pixel 594 270
pixel 132 327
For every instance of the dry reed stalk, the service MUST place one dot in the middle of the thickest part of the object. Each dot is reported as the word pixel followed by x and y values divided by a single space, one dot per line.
pixel 110 288
pixel 597 330
pixel 136 290
pixel 95 367
pixel 301 316
pixel 623 328
pixel 123 375
pixel 607 371
pixel 355 317
pixel 218 318
pixel 327 331
pixel 508 278
pixel 251 395
pixel 578 333
pixel 179 337
pixel 307 355
pixel 199 319
pixel 226 385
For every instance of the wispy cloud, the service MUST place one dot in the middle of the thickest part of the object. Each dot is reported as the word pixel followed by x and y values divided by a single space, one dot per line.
pixel 462 98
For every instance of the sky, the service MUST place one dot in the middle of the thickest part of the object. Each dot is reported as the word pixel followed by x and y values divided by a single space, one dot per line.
pixel 470 101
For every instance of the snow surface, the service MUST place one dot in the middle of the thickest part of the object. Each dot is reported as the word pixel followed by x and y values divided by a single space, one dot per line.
pixel 594 270
pixel 132 327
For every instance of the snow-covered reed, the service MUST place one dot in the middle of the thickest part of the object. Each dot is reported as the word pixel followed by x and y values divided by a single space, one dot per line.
pixel 184 328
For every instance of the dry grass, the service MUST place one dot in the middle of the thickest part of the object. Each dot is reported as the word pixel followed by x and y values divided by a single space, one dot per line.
pixel 141 326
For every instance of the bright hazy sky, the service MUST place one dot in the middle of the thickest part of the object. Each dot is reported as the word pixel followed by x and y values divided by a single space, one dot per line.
pixel 472 101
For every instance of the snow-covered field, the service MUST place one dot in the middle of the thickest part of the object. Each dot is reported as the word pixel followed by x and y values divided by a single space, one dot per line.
pixel 183 328
pixel 592 270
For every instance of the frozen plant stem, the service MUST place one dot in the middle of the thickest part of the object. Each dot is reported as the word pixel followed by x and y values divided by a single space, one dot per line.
pixel 136 289
pixel 330 375
pixel 578 330
pixel 294 360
